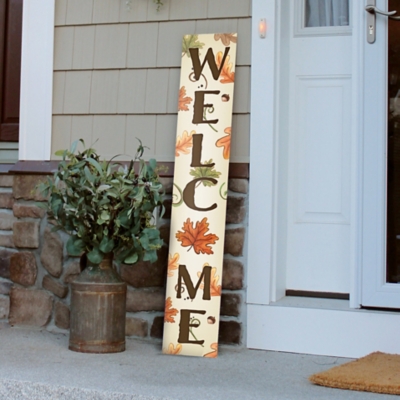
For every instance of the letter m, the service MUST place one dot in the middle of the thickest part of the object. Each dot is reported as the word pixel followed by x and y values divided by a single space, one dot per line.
pixel 183 275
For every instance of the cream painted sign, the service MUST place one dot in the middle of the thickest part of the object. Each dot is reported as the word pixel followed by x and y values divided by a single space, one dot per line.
pixel 202 152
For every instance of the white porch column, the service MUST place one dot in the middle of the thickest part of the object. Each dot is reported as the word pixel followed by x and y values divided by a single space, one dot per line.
pixel 36 80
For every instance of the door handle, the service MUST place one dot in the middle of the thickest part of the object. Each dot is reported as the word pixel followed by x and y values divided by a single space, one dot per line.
pixel 372 10
pixel 376 10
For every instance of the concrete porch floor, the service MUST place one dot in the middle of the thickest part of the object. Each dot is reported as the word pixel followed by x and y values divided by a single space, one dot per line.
pixel 36 364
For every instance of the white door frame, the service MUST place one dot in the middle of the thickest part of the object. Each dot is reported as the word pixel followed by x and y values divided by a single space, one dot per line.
pixel 36 102
pixel 263 278
pixel 260 276
pixel 343 331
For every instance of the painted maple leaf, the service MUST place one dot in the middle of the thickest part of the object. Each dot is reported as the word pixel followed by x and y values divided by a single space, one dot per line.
pixel 214 353
pixel 190 42
pixel 195 236
pixel 215 289
pixel 184 143
pixel 174 350
pixel 205 172
pixel 227 76
pixel 225 142
pixel 184 100
pixel 226 38
pixel 172 263
pixel 169 312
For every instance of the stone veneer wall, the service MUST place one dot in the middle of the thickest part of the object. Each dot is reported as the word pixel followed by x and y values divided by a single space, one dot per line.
pixel 36 272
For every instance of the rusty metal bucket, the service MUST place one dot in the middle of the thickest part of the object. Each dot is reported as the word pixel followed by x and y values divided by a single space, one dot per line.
pixel 98 304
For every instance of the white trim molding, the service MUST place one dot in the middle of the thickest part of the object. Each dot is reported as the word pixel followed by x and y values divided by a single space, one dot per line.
pixel 36 80
pixel 262 127
pixel 323 331
pixel 357 106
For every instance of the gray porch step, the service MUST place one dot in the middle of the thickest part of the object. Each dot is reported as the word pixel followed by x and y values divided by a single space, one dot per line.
pixel 13 389
pixel 37 364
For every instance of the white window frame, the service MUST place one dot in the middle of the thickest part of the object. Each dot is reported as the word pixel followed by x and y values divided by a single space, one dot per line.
pixel 36 80
pixel 301 30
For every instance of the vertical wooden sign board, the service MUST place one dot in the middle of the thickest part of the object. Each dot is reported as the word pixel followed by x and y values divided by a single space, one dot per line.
pixel 202 151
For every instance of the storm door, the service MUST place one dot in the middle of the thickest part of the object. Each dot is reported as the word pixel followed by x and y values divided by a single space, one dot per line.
pixel 381 162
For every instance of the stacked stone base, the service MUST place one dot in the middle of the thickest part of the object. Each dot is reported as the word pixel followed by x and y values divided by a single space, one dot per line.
pixel 36 271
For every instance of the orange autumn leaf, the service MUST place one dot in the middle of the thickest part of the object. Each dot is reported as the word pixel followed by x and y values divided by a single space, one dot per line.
pixel 184 143
pixel 184 100
pixel 214 353
pixel 172 263
pixel 215 289
pixel 226 38
pixel 227 76
pixel 169 312
pixel 173 350
pixel 195 236
pixel 225 142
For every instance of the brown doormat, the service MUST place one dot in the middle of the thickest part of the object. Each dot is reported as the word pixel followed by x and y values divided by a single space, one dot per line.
pixel 378 372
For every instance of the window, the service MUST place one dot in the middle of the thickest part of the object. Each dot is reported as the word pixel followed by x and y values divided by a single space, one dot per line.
pixel 326 13
pixel 321 17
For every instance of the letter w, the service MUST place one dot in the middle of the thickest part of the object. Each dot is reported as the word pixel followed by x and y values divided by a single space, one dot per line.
pixel 210 59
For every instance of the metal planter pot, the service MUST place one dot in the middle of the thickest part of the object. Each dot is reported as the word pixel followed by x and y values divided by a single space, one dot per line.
pixel 98 306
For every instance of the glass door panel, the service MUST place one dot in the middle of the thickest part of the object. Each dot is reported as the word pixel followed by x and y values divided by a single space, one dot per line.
pixel 326 13
pixel 393 167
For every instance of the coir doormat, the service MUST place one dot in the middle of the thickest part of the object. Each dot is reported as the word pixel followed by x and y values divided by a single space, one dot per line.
pixel 378 372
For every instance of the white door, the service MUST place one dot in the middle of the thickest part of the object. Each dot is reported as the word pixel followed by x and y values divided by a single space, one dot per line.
pixel 381 160
pixel 317 222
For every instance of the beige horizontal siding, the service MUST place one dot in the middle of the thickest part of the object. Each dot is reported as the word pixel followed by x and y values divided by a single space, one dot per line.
pixel 178 9
pixel 138 91
pixel 116 134
pixel 84 12
pixel 84 45
pixel 104 92
pixel 78 12
pixel 117 71
pixel 132 91
pixel 110 46
pixel 63 47
pixel 139 45
pixel 105 11
pixel 156 91
pixel 142 45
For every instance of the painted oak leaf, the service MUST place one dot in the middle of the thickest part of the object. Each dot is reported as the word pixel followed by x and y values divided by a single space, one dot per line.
pixel 169 312
pixel 184 143
pixel 174 350
pixel 227 76
pixel 195 237
pixel 205 172
pixel 190 42
pixel 225 142
pixel 215 289
pixel 214 353
pixel 226 38
pixel 172 263
pixel 184 100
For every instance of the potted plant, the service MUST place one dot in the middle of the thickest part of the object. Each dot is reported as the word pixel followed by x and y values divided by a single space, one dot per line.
pixel 107 208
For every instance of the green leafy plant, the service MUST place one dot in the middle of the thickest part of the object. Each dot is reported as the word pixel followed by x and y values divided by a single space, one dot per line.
pixel 159 4
pixel 105 206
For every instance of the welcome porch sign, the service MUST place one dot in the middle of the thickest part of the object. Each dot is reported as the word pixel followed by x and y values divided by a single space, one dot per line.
pixel 202 151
